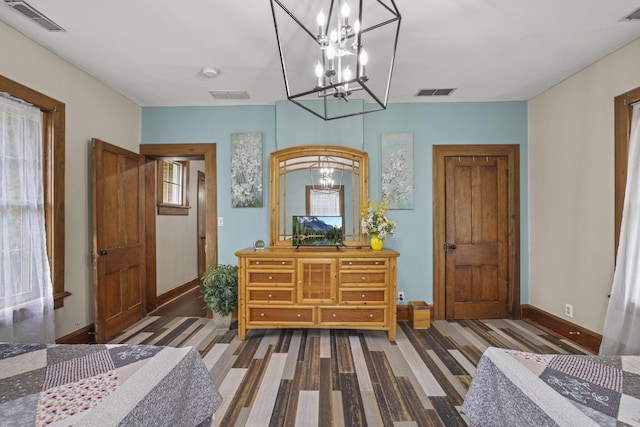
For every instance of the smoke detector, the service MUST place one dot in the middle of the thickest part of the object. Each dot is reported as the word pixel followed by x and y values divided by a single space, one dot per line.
pixel 210 72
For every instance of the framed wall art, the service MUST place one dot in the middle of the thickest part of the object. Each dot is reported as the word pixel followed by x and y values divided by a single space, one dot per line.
pixel 397 170
pixel 246 170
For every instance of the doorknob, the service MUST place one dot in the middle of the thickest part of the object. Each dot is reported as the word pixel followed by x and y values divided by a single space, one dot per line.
pixel 203 237
pixel 103 252
pixel 449 247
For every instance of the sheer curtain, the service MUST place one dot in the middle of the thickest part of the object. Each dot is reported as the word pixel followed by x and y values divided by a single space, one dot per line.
pixel 621 333
pixel 26 295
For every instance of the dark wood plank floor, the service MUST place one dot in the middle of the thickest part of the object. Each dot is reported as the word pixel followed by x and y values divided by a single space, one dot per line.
pixel 188 305
pixel 296 377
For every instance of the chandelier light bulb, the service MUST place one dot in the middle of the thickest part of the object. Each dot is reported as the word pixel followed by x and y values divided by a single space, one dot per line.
pixel 364 58
pixel 319 72
pixel 321 18
pixel 334 36
pixel 345 11
pixel 346 29
pixel 347 76
pixel 347 73
pixel 320 21
pixel 331 52
pixel 356 26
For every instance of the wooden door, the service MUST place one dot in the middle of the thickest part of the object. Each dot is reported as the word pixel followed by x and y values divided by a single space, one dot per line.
pixel 118 238
pixel 202 224
pixel 476 260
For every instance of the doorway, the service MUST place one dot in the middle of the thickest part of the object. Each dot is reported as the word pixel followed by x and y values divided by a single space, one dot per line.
pixel 202 224
pixel 476 216
pixel 178 152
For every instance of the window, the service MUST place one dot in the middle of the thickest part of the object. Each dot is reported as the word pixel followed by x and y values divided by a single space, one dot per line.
pixel 325 203
pixel 53 142
pixel 173 187
pixel 623 113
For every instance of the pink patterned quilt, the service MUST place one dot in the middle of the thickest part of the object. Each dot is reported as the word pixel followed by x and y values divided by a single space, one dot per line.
pixel 59 385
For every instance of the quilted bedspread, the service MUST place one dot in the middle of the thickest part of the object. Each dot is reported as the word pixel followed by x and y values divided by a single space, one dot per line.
pixel 513 388
pixel 105 385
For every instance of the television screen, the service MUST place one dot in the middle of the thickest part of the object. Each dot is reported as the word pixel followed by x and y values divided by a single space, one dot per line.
pixel 317 231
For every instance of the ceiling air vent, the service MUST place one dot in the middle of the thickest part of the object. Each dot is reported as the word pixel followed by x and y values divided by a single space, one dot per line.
pixel 229 94
pixel 633 16
pixel 37 17
pixel 434 92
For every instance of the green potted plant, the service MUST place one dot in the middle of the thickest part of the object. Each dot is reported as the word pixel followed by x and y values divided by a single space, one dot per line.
pixel 220 292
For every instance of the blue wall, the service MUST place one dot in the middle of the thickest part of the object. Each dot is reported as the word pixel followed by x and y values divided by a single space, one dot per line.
pixel 430 123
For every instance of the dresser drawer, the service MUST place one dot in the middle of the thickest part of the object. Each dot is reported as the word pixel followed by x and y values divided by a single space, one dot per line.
pixel 364 263
pixel 364 277
pixel 273 314
pixel 270 263
pixel 271 295
pixel 352 315
pixel 270 278
pixel 364 296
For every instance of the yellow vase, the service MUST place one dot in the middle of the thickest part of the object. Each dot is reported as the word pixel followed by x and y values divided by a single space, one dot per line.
pixel 376 243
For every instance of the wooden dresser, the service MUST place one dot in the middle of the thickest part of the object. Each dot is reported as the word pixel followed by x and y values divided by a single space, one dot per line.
pixel 317 288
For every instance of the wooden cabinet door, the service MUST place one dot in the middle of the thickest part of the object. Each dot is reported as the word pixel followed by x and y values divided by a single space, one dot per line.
pixel 317 281
pixel 476 260
pixel 118 238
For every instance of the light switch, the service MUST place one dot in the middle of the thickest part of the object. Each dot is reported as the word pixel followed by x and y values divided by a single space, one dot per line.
pixel 220 221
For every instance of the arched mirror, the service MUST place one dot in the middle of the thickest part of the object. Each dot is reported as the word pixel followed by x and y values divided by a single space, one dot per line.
pixel 329 179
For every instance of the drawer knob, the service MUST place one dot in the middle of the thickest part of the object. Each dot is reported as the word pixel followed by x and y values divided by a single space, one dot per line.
pixel 376 262
pixel 261 314
pixel 335 315
pixel 283 263
pixel 269 296
pixel 270 277
pixel 364 278
pixel 363 296
pixel 299 315
pixel 371 315
pixel 257 262
pixel 350 263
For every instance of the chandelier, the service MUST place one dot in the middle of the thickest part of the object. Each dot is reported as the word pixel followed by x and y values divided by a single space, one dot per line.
pixel 335 52
pixel 325 176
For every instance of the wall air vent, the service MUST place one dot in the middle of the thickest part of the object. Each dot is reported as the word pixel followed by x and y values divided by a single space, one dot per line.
pixel 229 94
pixel 633 16
pixel 434 92
pixel 37 17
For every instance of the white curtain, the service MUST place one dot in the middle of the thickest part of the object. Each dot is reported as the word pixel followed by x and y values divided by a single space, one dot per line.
pixel 26 294
pixel 621 333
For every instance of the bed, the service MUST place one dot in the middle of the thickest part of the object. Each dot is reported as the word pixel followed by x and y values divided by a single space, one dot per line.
pixel 59 385
pixel 514 388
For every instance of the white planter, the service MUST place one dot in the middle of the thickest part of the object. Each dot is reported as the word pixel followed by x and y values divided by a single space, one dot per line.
pixel 222 322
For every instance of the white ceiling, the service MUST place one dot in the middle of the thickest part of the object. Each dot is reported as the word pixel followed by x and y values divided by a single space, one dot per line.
pixel 490 50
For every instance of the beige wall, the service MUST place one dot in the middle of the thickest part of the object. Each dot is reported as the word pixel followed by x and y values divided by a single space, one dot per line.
pixel 92 111
pixel 571 188
pixel 177 240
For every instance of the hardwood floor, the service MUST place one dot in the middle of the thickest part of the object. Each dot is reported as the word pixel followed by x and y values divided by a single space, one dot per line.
pixel 188 305
pixel 296 377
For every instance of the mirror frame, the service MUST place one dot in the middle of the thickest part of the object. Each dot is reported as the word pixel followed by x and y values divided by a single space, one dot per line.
pixel 303 152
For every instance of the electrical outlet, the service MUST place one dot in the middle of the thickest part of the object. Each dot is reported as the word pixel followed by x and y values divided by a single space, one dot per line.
pixel 401 296
pixel 568 310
